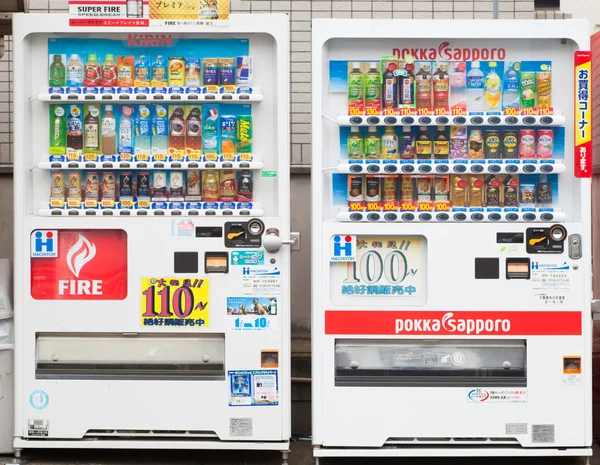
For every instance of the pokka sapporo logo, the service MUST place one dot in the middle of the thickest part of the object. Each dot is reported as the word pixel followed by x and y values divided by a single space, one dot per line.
pixel 445 51
pixel 450 323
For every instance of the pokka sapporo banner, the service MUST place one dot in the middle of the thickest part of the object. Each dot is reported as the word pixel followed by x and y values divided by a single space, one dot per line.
pixel 144 13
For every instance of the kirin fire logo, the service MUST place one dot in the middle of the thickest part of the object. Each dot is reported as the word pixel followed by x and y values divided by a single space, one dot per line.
pixel 81 253
pixel 90 265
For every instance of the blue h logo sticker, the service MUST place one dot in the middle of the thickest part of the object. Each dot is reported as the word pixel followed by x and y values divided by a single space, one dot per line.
pixel 42 245
pixel 338 246
pixel 535 265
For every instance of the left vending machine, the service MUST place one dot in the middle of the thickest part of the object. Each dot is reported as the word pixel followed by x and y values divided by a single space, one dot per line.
pixel 152 290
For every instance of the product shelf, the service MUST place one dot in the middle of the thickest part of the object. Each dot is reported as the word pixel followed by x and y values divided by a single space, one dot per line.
pixel 145 212
pixel 460 166
pixel 253 95
pixel 457 215
pixel 105 165
pixel 467 120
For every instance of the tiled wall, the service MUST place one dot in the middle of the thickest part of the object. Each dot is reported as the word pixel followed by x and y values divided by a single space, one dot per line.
pixel 301 12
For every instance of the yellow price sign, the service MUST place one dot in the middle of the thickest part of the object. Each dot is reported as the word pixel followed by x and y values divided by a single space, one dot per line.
pixel 373 111
pixel 174 302
pixel 511 112
pixel 355 111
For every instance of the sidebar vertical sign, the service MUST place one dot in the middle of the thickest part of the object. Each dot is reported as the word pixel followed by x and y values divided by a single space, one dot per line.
pixel 583 115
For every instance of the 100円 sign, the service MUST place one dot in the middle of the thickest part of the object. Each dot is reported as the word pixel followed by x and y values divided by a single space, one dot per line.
pixel 181 302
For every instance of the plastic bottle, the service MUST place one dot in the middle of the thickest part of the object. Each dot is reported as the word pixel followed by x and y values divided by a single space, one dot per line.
pixel 441 86
pixel 493 89
pixel 424 91
pixel 193 125
pixel 372 144
pixel 356 90
pixel 143 130
pixel 109 71
pixel 510 95
pixel 355 145
pixel 424 144
pixel 126 131
pixel 92 74
pixel 475 88
pixel 160 131
pixel 407 151
pixel 75 129
pixel 57 72
pixel 109 132
pixel 177 130
pixel 458 88
pixel 373 88
pixel 389 144
pixel 441 144
pixel 58 135
pixel 74 71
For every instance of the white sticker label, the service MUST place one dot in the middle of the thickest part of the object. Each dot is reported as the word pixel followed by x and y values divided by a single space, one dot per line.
pixel 550 275
pixel 38 428
pixel 542 433
pixel 261 285
pixel 551 298
pixel 240 426
pixel 516 428
pixel 493 395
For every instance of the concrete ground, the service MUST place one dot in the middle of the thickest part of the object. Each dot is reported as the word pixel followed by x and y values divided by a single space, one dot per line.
pixel 301 455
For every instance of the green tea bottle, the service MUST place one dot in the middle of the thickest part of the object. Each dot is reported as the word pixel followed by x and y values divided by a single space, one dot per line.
pixel 57 72
pixel 356 90
pixel 373 89
pixel 372 145
pixel 355 145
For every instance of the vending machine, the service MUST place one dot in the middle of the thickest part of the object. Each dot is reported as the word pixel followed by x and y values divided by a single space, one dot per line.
pixel 151 204
pixel 451 238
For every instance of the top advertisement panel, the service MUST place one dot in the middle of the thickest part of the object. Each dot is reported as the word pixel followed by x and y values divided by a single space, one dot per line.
pixel 143 13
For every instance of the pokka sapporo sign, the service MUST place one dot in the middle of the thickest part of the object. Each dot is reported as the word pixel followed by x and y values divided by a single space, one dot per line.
pixel 445 51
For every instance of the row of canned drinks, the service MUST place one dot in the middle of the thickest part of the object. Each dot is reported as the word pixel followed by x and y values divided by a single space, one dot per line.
pixel 75 188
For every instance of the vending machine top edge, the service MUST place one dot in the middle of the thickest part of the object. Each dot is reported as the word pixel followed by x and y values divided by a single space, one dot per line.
pixel 152 209
pixel 451 238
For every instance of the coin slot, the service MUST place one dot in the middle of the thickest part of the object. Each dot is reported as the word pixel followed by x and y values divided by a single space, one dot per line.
pixel 558 233
pixel 216 262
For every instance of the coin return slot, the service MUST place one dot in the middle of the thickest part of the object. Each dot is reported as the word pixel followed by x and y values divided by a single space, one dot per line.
pixel 216 262
pixel 518 268
pixel 487 268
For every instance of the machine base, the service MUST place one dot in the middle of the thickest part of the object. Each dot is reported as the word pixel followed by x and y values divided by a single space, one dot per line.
pixel 21 444
pixel 319 452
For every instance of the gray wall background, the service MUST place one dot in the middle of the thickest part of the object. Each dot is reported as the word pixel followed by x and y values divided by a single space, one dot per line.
pixel 301 13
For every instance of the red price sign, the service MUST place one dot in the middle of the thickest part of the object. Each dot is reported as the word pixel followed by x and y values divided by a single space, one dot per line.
pixel 458 111
pixel 373 112
pixel 442 206
pixel 355 112
pixel 407 112
pixel 408 206
pixel 424 111
pixel 390 112
pixel 441 112
pixel 356 206
pixel 373 206
pixel 546 111
pixel 529 111
pixel 390 205
pixel 511 112
pixel 425 206
pixel 174 302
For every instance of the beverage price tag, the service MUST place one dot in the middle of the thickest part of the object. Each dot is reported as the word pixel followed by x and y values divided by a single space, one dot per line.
pixel 406 112
pixel 355 112
pixel 373 112
pixel 442 206
pixel 529 111
pixel 511 112
pixel 459 111
pixel 441 112
pixel 546 111
pixel 424 111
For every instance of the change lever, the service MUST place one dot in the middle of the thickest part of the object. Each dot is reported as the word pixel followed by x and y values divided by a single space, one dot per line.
pixel 272 242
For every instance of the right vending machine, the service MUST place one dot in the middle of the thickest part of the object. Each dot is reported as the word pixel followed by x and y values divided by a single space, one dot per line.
pixel 451 238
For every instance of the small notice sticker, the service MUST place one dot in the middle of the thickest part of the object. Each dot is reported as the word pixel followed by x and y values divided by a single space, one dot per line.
pixel 516 428
pixel 269 174
pixel 542 433
pixel 572 370
pixel 240 426
pixel 38 428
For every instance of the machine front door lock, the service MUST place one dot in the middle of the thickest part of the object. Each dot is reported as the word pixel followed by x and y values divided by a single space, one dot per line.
pixel 272 242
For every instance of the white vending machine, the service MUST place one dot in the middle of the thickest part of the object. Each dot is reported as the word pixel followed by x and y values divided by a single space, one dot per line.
pixel 151 202
pixel 451 238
